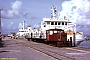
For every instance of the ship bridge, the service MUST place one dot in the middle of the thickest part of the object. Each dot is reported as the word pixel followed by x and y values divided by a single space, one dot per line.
pixel 54 22
pixel 57 23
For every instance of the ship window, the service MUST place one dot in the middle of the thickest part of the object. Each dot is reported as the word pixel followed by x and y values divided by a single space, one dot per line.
pixel 48 22
pixel 55 23
pixel 58 23
pixel 52 23
pixel 62 23
pixel 21 31
pixel 65 23
pixel 44 25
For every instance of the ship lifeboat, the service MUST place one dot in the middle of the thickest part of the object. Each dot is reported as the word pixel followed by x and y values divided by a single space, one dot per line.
pixel 79 37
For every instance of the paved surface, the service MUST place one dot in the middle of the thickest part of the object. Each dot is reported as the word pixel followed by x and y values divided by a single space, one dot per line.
pixel 20 49
pixel 13 49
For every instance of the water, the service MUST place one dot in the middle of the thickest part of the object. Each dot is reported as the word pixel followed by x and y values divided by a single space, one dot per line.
pixel 85 44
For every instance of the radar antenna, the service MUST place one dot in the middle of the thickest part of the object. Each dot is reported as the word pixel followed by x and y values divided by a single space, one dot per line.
pixel 53 11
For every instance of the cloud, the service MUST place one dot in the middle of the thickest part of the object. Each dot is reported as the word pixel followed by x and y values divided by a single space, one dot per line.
pixel 33 17
pixel 20 25
pixel 14 12
pixel 10 25
pixel 25 15
pixel 2 24
pixel 78 11
pixel 37 25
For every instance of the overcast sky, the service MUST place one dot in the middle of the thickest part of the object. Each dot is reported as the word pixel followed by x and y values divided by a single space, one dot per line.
pixel 32 12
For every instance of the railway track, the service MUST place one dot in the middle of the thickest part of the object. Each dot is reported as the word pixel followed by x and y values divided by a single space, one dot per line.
pixel 52 54
pixel 46 50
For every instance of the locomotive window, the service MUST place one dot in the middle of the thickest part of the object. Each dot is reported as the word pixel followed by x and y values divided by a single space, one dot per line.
pixel 58 31
pixel 47 32
pixel 51 32
pixel 52 23
pixel 55 31
pixel 64 37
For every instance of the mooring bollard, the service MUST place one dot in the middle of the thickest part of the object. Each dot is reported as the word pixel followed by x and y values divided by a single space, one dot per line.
pixel 28 39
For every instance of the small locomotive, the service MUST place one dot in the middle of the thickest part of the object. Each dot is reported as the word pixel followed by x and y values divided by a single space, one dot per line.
pixel 57 37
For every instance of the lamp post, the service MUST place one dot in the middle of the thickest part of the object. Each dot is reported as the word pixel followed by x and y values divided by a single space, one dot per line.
pixel 0 20
pixel 0 25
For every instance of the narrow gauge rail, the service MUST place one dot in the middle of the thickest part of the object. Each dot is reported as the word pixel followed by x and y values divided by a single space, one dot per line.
pixel 46 50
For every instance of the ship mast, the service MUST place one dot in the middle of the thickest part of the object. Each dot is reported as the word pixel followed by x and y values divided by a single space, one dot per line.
pixel 23 25
pixel 53 12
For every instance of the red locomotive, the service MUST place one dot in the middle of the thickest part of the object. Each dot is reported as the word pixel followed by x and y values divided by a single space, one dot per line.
pixel 57 37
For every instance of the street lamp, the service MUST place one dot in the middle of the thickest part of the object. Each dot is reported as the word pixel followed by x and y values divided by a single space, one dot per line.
pixel 0 20
pixel 0 25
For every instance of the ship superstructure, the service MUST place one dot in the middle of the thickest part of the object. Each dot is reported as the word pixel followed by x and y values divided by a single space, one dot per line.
pixel 56 23
pixel 24 31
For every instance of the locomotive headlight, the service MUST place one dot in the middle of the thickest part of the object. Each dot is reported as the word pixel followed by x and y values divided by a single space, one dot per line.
pixel 58 39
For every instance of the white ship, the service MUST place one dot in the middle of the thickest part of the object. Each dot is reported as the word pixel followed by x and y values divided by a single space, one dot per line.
pixel 61 23
pixel 23 32
pixel 54 23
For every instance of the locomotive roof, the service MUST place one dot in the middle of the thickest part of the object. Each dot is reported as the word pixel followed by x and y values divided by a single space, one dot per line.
pixel 56 29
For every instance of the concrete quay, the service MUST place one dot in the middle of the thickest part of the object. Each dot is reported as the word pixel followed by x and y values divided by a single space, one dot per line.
pixel 11 49
pixel 21 49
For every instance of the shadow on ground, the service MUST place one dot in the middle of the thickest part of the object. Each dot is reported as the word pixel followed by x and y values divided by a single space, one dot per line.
pixel 3 51
pixel 1 44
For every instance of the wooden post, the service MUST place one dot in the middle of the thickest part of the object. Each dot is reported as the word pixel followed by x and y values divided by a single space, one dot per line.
pixel 74 39
pixel 71 40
